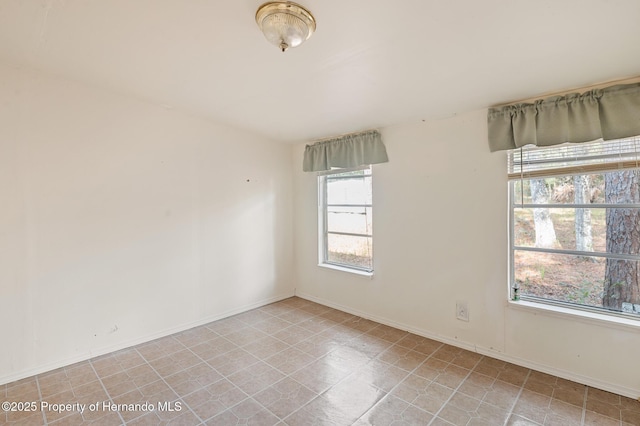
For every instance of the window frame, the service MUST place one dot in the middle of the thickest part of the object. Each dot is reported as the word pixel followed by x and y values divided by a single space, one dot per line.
pixel 513 204
pixel 323 231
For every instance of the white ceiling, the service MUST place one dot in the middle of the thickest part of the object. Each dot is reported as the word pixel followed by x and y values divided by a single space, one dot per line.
pixel 371 63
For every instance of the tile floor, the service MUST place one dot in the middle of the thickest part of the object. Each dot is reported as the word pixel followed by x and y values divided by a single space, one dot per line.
pixel 299 363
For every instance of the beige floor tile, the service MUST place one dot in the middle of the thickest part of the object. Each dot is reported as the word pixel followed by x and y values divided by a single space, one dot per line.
pixel 316 309
pixel 439 421
pixel 245 336
pixel 185 418
pixel 213 348
pixel 214 399
pixel 317 346
pixel 285 397
pixel 539 386
pixel 296 316
pixel 562 413
pixel 353 396
pixel 359 324
pixel 265 347
pixel 389 334
pixel 316 324
pixel 431 368
pixel 532 406
pixel 404 358
pixel 253 317
pixel 570 395
pixel 272 325
pixel 455 415
pixel 335 316
pixel 24 417
pixel 466 359
pixel 368 345
pixel 516 420
pixel 604 409
pixel 513 374
pixel 320 411
pixel 232 361
pixel 411 388
pixel 256 378
pixel 293 335
pixel 320 375
pixel 452 376
pixel 433 398
pixel 146 419
pixel 501 395
pixel 595 419
pixel 447 353
pixel 227 326
pixel 489 367
pixel 630 416
pixel 290 360
pixel 24 390
pixel 248 412
pixel 348 357
pixel 382 375
pixel 340 334
pixel 277 308
pixel 476 385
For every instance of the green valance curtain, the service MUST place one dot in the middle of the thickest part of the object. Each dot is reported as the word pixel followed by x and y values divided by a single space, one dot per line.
pixel 609 113
pixel 348 151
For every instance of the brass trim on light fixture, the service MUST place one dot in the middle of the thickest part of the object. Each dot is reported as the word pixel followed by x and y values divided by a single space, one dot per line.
pixel 286 9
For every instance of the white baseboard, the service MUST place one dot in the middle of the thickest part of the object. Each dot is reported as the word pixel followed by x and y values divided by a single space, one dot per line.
pixel 92 353
pixel 568 375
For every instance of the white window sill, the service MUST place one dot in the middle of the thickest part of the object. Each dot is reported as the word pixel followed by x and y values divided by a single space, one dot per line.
pixel 344 269
pixel 612 321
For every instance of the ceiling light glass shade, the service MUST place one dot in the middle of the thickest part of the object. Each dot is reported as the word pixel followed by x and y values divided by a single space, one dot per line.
pixel 285 24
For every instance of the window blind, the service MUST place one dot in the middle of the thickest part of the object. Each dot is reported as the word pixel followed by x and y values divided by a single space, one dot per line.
pixel 572 158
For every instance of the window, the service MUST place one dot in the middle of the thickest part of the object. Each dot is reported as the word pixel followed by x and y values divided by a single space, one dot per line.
pixel 345 219
pixel 575 225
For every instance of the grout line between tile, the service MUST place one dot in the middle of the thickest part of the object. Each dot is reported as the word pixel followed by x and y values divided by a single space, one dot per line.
pixel 44 417
pixel 515 401
pixel 289 376
pixel 105 389
pixel 306 365
pixel 226 377
pixel 584 405
pixel 165 382
pixel 400 382
pixel 435 416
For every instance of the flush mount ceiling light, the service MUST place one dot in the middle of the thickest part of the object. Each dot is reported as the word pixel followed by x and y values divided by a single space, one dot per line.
pixel 285 24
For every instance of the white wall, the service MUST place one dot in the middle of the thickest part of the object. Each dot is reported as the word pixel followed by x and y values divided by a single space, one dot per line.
pixel 121 221
pixel 120 215
pixel 440 235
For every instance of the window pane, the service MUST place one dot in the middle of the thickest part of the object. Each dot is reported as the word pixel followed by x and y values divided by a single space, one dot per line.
pixel 589 281
pixel 350 251
pixel 560 277
pixel 353 220
pixel 589 234
pixel 355 190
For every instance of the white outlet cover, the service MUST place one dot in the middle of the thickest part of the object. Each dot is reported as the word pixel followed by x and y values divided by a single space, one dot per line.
pixel 462 311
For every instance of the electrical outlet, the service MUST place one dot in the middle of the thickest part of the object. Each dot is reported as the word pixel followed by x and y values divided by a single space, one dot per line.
pixel 462 311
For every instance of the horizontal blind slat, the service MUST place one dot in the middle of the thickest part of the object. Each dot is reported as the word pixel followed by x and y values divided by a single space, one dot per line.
pixel 567 159
pixel 576 170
